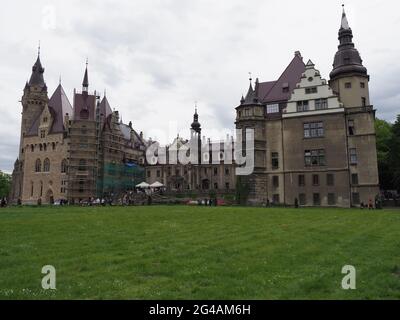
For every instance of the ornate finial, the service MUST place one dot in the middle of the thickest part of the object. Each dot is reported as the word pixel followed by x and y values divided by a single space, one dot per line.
pixel 105 93
pixel 39 49
pixel 87 61
pixel 250 76
pixel 195 107
pixel 59 81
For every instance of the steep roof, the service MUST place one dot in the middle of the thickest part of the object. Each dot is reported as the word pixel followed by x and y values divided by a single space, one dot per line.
pixel 105 108
pixel 60 106
pixel 37 74
pixel 273 90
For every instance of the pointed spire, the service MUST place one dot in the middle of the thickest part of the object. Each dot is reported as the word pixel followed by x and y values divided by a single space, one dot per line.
pixel 37 72
pixel 85 83
pixel 344 23
pixel 347 59
pixel 195 124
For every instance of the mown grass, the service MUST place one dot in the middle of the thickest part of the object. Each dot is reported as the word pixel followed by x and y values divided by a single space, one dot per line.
pixel 180 252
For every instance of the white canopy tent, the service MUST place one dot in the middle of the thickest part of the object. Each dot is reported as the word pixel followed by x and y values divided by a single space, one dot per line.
pixel 143 185
pixel 156 185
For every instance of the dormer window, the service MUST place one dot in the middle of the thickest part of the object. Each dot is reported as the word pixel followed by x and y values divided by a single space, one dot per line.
pixel 44 119
pixel 285 87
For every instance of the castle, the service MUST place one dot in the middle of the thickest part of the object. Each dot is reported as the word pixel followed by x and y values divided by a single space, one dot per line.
pixel 314 141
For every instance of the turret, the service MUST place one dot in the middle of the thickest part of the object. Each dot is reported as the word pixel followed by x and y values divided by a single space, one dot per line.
pixel 349 78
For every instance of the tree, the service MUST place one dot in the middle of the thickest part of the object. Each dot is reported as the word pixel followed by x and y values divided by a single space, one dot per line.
pixel 394 154
pixel 383 131
pixel 5 184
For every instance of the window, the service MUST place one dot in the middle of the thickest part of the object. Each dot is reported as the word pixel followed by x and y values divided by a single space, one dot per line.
pixel 38 166
pixel 227 185
pixel 302 180
pixel 158 173
pixel 32 189
pixel 216 186
pixel 362 85
pixel 275 198
pixel 40 147
pixel 82 165
pixel 316 199
pixel 177 172
pixel 64 166
pixel 331 199
pixel 353 156
pixel 41 189
pixel 363 101
pixel 321 104
pixel 347 85
pixel 45 147
pixel 314 157
pixel 148 174
pixel 330 179
pixel 46 165
pixel 42 133
pixel 302 199
pixel 311 90
pixel 227 171
pixel 275 181
pixel 356 198
pixel 32 148
pixel 272 108
pixel 215 171
pixel 45 119
pixel 302 106
pixel 315 180
pixel 354 179
pixel 350 124
pixel 53 145
pixel 313 129
pixel 275 160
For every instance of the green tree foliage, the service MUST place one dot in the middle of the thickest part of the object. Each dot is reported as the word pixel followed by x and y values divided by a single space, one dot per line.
pixel 383 131
pixel 394 154
pixel 5 184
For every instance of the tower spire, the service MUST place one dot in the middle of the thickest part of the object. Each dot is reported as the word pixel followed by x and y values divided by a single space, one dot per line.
pixel 85 83
pixel 347 59
pixel 37 72
pixel 344 23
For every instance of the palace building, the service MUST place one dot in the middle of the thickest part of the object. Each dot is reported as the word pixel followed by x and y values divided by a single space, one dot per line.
pixel 314 142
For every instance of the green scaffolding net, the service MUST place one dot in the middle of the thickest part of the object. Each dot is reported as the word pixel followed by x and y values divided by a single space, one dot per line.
pixel 118 178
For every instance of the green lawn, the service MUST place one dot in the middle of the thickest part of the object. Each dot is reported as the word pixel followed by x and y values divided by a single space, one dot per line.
pixel 178 252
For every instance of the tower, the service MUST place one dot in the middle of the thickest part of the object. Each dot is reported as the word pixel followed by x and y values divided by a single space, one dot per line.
pixel 349 80
pixel 250 115
pixel 33 100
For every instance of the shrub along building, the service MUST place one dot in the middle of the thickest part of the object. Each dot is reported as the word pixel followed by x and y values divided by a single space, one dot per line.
pixel 314 140
pixel 73 153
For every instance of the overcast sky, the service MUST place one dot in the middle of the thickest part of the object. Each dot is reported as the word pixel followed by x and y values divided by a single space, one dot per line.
pixel 156 58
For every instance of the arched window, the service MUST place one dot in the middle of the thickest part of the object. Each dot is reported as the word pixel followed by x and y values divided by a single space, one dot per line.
pixel 41 188
pixel 46 165
pixel 53 145
pixel 32 148
pixel 40 147
pixel 82 165
pixel 64 166
pixel 31 188
pixel 38 166
pixel 45 147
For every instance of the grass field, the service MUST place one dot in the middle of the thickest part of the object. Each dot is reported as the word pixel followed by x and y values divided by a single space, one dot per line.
pixel 179 252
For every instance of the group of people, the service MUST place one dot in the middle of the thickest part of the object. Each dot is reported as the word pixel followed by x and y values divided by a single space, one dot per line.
pixel 207 202
pixel 3 202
